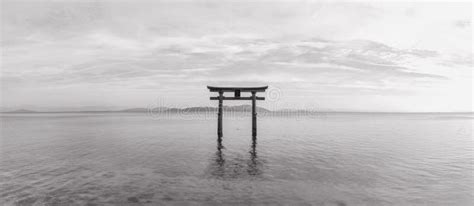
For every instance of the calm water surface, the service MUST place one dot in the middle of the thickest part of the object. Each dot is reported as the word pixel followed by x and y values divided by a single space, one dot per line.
pixel 331 159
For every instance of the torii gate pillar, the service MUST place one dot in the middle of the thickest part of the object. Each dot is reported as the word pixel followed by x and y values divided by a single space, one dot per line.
pixel 237 91
pixel 254 115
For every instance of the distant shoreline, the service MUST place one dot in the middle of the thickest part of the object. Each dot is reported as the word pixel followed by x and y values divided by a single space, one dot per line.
pixel 270 112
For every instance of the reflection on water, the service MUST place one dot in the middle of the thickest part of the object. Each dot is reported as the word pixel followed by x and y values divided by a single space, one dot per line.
pixel 254 165
pixel 229 168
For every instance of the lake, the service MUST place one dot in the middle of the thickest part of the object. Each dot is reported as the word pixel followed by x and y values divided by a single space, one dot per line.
pixel 325 159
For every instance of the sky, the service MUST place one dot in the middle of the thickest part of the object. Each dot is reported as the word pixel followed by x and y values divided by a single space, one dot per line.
pixel 319 55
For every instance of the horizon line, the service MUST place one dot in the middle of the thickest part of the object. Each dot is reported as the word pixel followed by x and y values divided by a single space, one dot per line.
pixel 129 110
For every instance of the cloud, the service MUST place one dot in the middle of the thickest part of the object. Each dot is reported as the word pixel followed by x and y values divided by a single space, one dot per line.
pixel 308 48
pixel 231 59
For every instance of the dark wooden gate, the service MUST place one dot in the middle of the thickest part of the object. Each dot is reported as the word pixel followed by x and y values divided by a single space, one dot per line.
pixel 237 96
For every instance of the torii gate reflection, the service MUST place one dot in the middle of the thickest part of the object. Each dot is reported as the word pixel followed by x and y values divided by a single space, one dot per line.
pixel 237 91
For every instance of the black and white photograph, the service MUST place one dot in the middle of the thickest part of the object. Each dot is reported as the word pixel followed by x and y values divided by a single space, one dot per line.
pixel 236 102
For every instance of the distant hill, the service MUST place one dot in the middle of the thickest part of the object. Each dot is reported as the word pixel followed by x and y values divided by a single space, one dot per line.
pixel 21 111
pixel 190 109
pixel 134 110
pixel 239 108
pixel 139 109
pixel 244 108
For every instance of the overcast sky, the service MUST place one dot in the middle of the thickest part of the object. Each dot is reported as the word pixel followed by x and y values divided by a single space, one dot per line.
pixel 361 56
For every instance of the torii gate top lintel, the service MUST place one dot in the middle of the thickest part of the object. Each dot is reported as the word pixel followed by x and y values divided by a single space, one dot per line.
pixel 233 89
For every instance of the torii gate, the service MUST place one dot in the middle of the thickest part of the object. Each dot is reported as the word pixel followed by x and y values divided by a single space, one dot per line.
pixel 237 91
